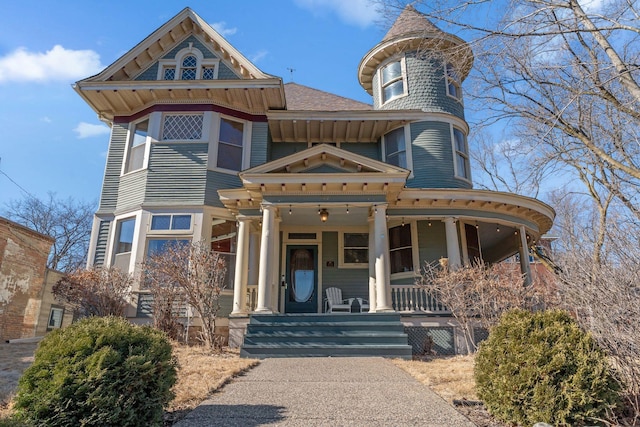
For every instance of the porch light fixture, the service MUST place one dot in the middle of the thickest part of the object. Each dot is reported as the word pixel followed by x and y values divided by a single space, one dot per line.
pixel 347 209
pixel 497 228
pixel 324 215
pixel 290 210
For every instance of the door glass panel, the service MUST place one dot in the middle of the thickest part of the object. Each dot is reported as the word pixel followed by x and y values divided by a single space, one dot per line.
pixel 302 275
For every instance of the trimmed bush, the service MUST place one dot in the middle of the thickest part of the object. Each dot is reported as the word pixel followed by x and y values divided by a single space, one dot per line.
pixel 541 367
pixel 97 372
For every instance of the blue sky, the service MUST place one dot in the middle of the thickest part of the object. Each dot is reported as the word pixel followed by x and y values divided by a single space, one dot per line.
pixel 51 141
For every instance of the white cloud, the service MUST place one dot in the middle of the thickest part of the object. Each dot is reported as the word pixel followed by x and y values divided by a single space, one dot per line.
pixel 55 64
pixel 46 119
pixel 221 27
pixel 592 5
pixel 87 130
pixel 357 12
pixel 260 55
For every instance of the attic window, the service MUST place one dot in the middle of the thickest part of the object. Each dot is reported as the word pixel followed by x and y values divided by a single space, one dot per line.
pixel 392 81
pixel 188 64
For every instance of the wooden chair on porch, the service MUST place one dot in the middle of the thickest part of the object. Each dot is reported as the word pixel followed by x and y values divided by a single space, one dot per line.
pixel 334 301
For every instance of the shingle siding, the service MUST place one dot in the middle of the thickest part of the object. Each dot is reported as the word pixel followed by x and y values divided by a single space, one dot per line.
pixel 432 155
pixel 109 196
pixel 177 173
pixel 427 88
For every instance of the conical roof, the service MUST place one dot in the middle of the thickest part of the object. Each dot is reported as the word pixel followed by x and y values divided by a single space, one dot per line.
pixel 410 21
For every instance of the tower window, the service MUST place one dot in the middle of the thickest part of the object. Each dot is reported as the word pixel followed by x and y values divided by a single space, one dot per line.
pixel 462 167
pixel 453 82
pixel 392 80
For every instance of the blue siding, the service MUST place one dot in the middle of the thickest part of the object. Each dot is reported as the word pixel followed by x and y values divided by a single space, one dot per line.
pixel 432 154
pixel 432 242
pixel 354 282
pixel 101 243
pixel 283 149
pixel 219 181
pixel 109 196
pixel 131 190
pixel 370 150
pixel 177 173
pixel 259 141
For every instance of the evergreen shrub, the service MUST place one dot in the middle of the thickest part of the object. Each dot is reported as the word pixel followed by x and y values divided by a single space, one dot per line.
pixel 101 371
pixel 541 367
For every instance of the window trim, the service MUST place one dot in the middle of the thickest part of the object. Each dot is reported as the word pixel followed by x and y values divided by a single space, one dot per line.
pixel 407 148
pixel 341 248
pixel 169 231
pixel 403 77
pixel 214 139
pixel 452 80
pixel 415 249
pixel 176 63
pixel 457 153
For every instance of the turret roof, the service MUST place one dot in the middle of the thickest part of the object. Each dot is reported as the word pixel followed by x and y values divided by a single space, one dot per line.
pixel 410 21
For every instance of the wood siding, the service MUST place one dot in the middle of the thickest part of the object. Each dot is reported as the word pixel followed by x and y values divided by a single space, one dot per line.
pixel 177 174
pixel 259 141
pixel 111 182
pixel 101 243
pixel 354 282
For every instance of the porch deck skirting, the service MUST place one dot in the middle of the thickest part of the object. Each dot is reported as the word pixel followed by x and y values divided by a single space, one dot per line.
pixel 405 299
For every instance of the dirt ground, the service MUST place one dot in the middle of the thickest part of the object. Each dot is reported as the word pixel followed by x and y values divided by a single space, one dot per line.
pixel 14 359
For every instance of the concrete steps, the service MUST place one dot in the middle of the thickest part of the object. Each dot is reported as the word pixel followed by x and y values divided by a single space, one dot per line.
pixel 325 335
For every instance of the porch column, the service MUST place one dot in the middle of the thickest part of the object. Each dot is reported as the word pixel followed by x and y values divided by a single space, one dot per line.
pixel 266 258
pixel 372 268
pixel 381 243
pixel 275 277
pixel 453 251
pixel 525 266
pixel 242 267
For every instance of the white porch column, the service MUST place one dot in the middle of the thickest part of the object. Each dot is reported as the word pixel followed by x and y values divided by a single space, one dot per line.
pixel 372 268
pixel 453 251
pixel 242 267
pixel 275 270
pixel 266 258
pixel 525 266
pixel 254 258
pixel 381 250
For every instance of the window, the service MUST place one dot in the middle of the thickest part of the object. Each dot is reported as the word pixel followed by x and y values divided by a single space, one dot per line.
pixel 395 148
pixel 171 222
pixel 453 82
pixel 223 240
pixel 180 127
pixel 230 145
pixel 392 81
pixel 55 318
pixel 462 167
pixel 137 146
pixel 400 249
pixel 158 246
pixel 188 64
pixel 354 250
pixel 125 235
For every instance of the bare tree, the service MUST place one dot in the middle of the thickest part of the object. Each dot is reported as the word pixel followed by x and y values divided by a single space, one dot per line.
pixel 477 295
pixel 67 221
pixel 196 274
pixel 95 292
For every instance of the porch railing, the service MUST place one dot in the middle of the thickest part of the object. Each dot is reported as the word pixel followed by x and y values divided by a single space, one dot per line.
pixel 416 299
pixel 408 299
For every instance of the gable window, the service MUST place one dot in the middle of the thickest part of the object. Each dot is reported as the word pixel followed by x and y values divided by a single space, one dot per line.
pixel 171 222
pixel 230 143
pixel 453 82
pixel 136 146
pixel 354 249
pixel 392 77
pixel 176 127
pixel 188 64
pixel 461 166
pixel 400 249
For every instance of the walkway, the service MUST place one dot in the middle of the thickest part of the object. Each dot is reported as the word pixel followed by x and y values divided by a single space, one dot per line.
pixel 325 392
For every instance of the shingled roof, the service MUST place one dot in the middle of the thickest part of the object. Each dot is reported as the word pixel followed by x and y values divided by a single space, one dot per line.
pixel 410 21
pixel 304 98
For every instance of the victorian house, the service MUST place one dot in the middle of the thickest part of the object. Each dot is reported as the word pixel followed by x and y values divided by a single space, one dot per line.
pixel 300 189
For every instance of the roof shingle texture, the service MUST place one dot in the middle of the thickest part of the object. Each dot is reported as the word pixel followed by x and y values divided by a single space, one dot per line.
pixel 410 21
pixel 304 98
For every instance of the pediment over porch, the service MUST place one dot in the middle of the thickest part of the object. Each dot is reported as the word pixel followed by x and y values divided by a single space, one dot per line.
pixel 319 170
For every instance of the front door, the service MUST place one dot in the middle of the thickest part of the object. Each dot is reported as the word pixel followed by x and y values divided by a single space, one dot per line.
pixel 301 295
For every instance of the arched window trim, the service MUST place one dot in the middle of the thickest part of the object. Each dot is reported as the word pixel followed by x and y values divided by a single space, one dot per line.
pixel 176 64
